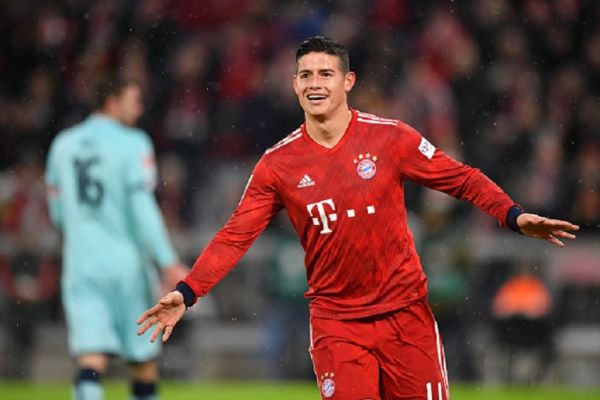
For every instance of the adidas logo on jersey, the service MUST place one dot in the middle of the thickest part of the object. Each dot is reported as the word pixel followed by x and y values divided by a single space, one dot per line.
pixel 306 181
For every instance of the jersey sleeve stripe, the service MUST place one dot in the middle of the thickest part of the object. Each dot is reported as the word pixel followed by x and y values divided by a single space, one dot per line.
pixel 288 139
pixel 364 115
pixel 378 122
pixel 245 189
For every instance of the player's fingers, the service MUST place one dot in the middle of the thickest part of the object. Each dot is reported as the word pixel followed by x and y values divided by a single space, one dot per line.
pixel 141 319
pixel 150 312
pixel 147 314
pixel 157 332
pixel 167 334
pixel 555 241
pixel 563 234
pixel 560 224
pixel 149 323
pixel 165 300
pixel 142 330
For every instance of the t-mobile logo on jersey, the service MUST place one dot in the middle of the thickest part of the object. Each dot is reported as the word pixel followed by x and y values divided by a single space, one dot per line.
pixel 325 215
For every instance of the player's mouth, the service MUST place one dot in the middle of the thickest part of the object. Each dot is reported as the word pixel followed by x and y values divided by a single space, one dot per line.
pixel 316 98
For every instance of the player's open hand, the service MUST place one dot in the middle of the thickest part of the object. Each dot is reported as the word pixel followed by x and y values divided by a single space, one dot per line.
pixel 549 229
pixel 165 315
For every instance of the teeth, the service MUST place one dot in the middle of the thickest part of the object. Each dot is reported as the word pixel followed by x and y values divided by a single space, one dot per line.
pixel 316 97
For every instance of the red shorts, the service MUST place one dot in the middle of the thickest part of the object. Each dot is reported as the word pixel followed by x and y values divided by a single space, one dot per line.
pixel 398 355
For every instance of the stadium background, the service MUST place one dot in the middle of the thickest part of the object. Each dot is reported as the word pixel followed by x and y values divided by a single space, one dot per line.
pixel 511 87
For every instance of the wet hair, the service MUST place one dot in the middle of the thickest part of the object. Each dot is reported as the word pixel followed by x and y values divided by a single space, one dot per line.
pixel 112 85
pixel 322 44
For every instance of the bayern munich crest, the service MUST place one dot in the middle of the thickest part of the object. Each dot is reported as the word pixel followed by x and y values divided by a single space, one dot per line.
pixel 365 165
pixel 327 384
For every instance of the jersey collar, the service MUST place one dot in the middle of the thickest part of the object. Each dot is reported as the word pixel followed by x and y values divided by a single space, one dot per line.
pixel 340 143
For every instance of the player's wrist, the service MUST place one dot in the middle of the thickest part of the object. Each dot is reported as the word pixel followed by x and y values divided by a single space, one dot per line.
pixel 511 217
pixel 189 297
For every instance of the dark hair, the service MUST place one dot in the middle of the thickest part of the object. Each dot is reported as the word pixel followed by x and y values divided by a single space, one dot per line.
pixel 322 44
pixel 112 85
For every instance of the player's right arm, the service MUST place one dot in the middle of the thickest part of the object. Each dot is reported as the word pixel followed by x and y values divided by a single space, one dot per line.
pixel 259 204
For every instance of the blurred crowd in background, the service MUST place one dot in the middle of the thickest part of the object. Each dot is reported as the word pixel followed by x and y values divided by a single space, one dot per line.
pixel 510 87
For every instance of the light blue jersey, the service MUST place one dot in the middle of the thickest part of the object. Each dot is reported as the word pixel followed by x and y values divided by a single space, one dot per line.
pixel 101 177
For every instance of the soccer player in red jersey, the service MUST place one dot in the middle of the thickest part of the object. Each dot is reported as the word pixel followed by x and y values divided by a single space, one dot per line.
pixel 340 177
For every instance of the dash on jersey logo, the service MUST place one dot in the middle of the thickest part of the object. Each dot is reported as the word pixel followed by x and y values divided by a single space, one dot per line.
pixel 365 165
pixel 306 181
pixel 325 214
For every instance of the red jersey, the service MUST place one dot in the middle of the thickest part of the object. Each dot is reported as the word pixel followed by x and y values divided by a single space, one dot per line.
pixel 347 206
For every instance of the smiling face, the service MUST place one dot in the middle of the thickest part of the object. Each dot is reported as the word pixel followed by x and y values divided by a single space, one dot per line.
pixel 321 85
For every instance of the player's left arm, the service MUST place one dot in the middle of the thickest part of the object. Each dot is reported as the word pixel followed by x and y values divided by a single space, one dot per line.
pixel 53 187
pixel 150 228
pixel 421 161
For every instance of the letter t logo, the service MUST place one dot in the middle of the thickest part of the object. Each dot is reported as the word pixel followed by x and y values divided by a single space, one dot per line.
pixel 323 218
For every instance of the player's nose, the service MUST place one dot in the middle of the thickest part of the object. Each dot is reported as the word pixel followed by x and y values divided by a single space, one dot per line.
pixel 314 82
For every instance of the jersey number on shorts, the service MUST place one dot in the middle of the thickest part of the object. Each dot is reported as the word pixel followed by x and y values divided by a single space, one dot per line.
pixel 90 191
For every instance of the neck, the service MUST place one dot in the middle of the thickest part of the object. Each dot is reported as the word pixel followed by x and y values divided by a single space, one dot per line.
pixel 105 112
pixel 328 131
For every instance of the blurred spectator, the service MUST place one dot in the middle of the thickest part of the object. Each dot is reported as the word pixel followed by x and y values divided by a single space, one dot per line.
pixel 186 122
pixel 545 177
pixel 29 272
pixel 509 87
pixel 522 311
pixel 471 77
pixel 585 206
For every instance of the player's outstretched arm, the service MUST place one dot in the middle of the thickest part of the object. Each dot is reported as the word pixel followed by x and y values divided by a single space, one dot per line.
pixel 165 315
pixel 549 229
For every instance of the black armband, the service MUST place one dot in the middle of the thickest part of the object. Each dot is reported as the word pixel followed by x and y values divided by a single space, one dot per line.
pixel 511 217
pixel 189 297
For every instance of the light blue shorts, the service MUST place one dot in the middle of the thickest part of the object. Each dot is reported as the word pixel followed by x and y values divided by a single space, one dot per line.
pixel 101 314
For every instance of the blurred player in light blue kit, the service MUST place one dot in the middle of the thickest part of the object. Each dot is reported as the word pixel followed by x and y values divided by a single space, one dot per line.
pixel 101 177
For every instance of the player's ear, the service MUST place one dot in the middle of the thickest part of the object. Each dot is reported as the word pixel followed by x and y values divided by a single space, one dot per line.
pixel 111 103
pixel 349 81
pixel 295 83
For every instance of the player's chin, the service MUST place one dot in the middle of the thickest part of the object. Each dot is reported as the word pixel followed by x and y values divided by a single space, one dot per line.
pixel 315 111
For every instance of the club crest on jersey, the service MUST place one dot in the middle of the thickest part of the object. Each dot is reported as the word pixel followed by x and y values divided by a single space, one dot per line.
pixel 365 165
pixel 327 384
